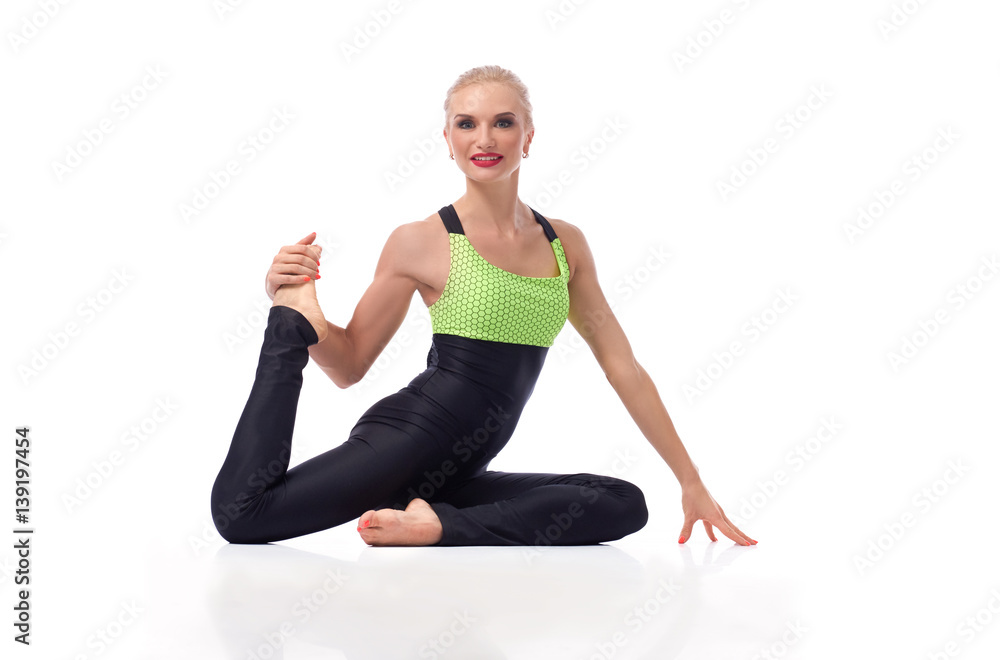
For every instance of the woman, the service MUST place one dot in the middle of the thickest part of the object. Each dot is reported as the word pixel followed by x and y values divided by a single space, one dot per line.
pixel 499 280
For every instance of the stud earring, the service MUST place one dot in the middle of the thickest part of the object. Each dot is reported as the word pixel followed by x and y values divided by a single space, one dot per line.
pixel 524 155
pixel 453 156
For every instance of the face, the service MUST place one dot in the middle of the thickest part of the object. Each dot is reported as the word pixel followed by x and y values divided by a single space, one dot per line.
pixel 487 119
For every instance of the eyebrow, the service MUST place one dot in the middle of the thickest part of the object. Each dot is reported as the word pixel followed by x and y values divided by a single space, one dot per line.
pixel 499 114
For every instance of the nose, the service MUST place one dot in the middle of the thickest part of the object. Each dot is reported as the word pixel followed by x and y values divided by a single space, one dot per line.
pixel 484 139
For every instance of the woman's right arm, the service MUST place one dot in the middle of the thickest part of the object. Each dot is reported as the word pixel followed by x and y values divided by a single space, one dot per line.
pixel 347 353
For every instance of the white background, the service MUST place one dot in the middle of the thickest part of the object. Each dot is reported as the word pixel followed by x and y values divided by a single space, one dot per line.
pixel 118 306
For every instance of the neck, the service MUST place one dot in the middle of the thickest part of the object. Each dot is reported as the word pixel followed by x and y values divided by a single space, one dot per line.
pixel 494 206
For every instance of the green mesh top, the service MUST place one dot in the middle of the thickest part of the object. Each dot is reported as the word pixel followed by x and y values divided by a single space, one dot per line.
pixel 483 301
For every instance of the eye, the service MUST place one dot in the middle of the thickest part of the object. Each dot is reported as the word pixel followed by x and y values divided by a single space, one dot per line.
pixel 509 123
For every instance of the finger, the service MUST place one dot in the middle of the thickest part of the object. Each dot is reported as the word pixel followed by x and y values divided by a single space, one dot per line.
pixel 302 267
pixel 296 273
pixel 711 532
pixel 297 255
pixel 737 529
pixel 281 280
pixel 308 260
pixel 686 531
pixel 730 531
pixel 309 251
pixel 308 239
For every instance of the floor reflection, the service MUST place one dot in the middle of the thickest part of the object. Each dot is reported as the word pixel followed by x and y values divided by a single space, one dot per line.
pixel 588 602
pixel 268 600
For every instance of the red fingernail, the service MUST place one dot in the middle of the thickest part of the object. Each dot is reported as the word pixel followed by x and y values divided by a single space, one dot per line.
pixel 680 540
pixel 305 278
pixel 318 276
pixel 366 523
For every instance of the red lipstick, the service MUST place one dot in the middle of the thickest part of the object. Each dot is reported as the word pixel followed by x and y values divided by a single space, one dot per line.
pixel 490 159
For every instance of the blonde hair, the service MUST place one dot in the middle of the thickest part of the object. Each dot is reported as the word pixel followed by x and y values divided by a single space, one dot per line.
pixel 491 74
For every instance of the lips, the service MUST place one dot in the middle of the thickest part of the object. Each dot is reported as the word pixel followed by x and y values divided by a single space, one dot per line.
pixel 488 159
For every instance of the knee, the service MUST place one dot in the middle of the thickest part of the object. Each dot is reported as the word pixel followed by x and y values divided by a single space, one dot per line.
pixel 230 520
pixel 635 515
pixel 626 505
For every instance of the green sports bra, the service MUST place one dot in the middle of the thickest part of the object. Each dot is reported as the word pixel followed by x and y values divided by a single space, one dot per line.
pixel 483 301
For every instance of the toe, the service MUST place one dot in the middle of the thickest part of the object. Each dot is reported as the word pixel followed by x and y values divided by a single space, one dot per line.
pixel 366 520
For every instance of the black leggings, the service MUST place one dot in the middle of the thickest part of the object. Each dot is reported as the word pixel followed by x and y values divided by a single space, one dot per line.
pixel 386 462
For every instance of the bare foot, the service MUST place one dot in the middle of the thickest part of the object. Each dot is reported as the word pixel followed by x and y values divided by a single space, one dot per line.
pixel 417 525
pixel 302 298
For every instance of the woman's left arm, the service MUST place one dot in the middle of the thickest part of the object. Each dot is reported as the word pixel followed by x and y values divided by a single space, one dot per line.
pixel 592 317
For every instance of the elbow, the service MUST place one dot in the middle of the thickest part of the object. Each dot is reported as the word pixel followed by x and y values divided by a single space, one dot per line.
pixel 623 373
pixel 344 381
pixel 340 378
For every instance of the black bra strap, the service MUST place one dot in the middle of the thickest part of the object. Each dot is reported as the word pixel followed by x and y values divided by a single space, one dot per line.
pixel 454 226
pixel 450 219
pixel 550 233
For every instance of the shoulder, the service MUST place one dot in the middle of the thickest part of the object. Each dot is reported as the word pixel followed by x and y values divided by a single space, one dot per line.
pixel 418 234
pixel 566 231
pixel 413 247
pixel 574 243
